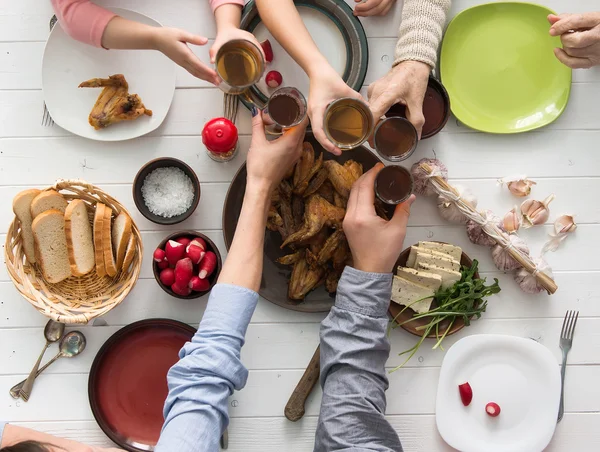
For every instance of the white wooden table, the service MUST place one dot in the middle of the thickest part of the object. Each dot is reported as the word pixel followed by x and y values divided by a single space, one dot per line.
pixel 563 158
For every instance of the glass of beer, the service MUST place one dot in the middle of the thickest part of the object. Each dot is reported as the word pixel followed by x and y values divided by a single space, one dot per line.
pixel 240 64
pixel 394 184
pixel 285 109
pixel 348 122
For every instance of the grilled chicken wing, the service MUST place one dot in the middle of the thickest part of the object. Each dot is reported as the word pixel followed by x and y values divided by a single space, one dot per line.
pixel 331 282
pixel 316 182
pixel 318 213
pixel 334 241
pixel 114 104
pixel 355 168
pixel 303 184
pixel 304 279
pixel 341 177
pixel 290 259
pixel 304 165
pixel 326 191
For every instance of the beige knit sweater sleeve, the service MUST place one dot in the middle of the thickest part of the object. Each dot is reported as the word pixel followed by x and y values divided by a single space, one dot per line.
pixel 421 30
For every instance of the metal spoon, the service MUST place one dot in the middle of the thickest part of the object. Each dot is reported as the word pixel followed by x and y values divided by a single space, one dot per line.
pixel 72 344
pixel 53 331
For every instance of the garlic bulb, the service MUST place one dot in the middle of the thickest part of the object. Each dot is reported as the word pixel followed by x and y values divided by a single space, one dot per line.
pixel 448 209
pixel 476 233
pixel 512 220
pixel 502 258
pixel 535 212
pixel 528 282
pixel 422 184
pixel 563 226
pixel 518 185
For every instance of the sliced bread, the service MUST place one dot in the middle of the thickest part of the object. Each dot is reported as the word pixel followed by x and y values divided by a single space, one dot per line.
pixel 130 253
pixel 121 233
pixel 98 250
pixel 80 243
pixel 48 200
pixel 22 209
pixel 109 257
pixel 51 245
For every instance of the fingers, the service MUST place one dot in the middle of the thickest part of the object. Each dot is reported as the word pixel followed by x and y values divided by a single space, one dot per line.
pixel 584 52
pixel 258 127
pixel 297 132
pixel 580 39
pixel 371 8
pixel 572 62
pixel 414 113
pixel 380 105
pixel 572 22
pixel 365 192
pixel 197 68
pixel 212 54
pixel 316 122
pixel 194 39
pixel 553 18
pixel 402 212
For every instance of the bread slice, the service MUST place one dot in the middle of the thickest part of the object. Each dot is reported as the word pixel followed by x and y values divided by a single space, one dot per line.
pixel 51 245
pixel 109 257
pixel 98 250
pixel 22 209
pixel 80 243
pixel 121 233
pixel 47 200
pixel 130 253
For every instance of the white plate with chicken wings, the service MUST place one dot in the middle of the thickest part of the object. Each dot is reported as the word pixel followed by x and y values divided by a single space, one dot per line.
pixel 118 114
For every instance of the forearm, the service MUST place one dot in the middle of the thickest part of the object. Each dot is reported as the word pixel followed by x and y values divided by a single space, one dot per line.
pixel 285 24
pixel 228 15
pixel 14 434
pixel 243 266
pixel 354 350
pixel 421 30
pixel 126 34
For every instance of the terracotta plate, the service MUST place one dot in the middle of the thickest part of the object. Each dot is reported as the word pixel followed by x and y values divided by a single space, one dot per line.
pixel 411 327
pixel 128 380
pixel 274 284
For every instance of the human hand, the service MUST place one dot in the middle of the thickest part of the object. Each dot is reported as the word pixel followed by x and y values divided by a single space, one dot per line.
pixel 326 86
pixel 580 36
pixel 405 83
pixel 375 243
pixel 373 7
pixel 229 33
pixel 269 161
pixel 174 44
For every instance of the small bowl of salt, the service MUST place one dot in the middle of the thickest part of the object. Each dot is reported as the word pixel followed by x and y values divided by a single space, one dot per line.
pixel 166 190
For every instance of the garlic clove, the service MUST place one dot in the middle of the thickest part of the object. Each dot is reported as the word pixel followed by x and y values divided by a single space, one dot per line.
pixel 520 188
pixel 535 212
pixel 512 220
pixel 565 224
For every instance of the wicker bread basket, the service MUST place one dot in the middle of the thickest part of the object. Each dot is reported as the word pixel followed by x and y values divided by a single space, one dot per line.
pixel 76 300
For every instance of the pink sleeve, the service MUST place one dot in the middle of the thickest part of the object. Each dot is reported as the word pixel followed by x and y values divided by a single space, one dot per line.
pixel 214 4
pixel 83 20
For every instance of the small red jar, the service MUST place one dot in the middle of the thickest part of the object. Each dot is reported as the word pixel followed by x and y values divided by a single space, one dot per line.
pixel 220 136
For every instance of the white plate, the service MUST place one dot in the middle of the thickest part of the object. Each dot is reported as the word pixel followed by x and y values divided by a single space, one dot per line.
pixel 518 374
pixel 67 63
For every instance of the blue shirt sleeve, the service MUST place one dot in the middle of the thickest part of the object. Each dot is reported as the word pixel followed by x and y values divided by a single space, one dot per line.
pixel 207 373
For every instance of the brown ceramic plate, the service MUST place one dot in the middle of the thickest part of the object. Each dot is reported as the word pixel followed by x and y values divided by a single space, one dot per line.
pixel 275 277
pixel 128 380
pixel 411 327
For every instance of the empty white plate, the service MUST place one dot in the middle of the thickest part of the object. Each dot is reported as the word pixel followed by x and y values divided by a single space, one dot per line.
pixel 518 374
pixel 68 62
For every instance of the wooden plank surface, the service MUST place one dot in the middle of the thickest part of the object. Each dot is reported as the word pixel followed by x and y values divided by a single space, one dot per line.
pixel 562 158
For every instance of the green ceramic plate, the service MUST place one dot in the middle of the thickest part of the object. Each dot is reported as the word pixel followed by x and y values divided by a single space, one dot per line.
pixel 498 65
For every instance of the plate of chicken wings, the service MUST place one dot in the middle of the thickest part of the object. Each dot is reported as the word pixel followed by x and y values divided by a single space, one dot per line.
pixel 305 247
pixel 106 95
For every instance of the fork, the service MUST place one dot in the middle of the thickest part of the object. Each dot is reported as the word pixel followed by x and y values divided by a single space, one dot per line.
pixel 566 340
pixel 47 120
pixel 230 106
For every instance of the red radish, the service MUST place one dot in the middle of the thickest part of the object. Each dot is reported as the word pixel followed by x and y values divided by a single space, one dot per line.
pixel 466 393
pixel 184 270
pixel 159 255
pixel 199 241
pixel 195 253
pixel 266 46
pixel 492 409
pixel 162 265
pixel 199 285
pixel 184 241
pixel 174 251
pixel 183 291
pixel 274 79
pixel 208 265
pixel 167 277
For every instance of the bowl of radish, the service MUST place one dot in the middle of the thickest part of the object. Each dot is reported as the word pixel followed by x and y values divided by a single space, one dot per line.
pixel 186 264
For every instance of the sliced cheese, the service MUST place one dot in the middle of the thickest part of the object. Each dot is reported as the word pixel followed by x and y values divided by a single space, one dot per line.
pixel 453 251
pixel 437 260
pixel 410 262
pixel 405 293
pixel 449 277
pixel 429 280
